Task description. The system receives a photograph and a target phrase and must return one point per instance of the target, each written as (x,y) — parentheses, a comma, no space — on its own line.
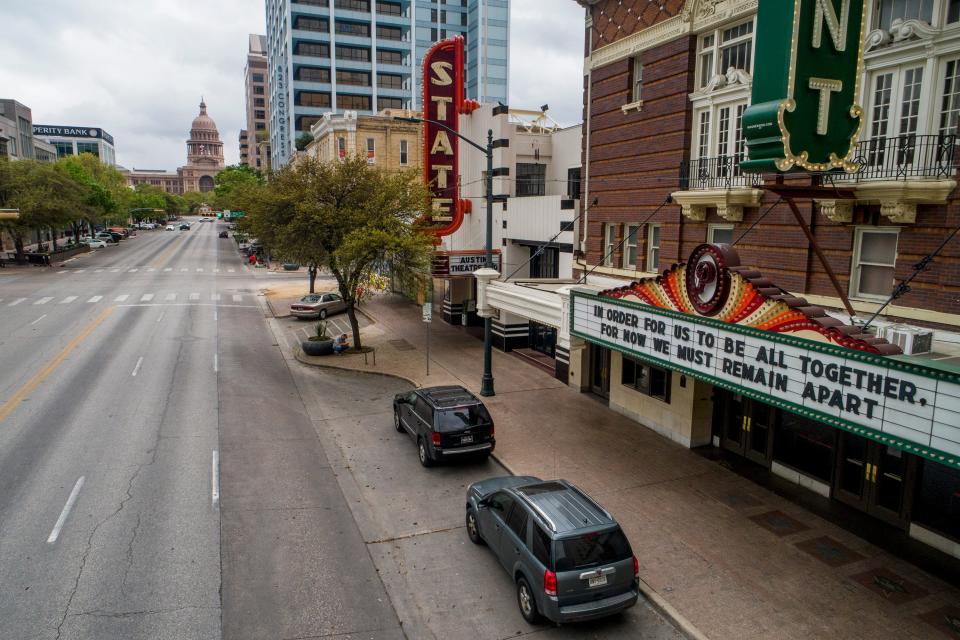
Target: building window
(653,247)
(950,106)
(953,11)
(260,126)
(307,24)
(647,379)
(313,74)
(259,102)
(890,10)
(937,504)
(313,99)
(385,56)
(389,33)
(389,81)
(703,135)
(636,79)
(404,153)
(804,444)
(531,179)
(371,151)
(609,243)
(259,114)
(874,262)
(573,183)
(88,147)
(630,247)
(720,234)
(352,5)
(353,78)
(389,9)
(345,101)
(390,103)
(352,29)
(315,49)
(735,50)
(64,149)
(341,147)
(357,54)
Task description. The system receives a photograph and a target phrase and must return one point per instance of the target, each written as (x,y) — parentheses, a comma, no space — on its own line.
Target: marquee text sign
(912,407)
(442,102)
(804,113)
(453,264)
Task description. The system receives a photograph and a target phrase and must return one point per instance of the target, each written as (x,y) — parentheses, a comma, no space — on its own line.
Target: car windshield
(459,418)
(591,549)
(311,298)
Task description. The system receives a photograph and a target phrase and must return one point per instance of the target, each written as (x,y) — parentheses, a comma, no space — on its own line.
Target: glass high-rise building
(366,56)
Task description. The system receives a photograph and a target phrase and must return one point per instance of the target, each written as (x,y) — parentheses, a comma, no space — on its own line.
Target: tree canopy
(230,184)
(346,217)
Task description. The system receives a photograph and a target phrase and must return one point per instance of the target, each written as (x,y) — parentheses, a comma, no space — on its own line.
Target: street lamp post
(486,381)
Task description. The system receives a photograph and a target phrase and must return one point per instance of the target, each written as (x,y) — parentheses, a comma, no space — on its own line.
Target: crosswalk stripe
(150,269)
(184,269)
(79,270)
(44,300)
(16,302)
(171,297)
(231,270)
(98,270)
(194,296)
(131,270)
(68,299)
(216,270)
(147,297)
(199,269)
(114,270)
(168,269)
(237,297)
(121,297)
(214,297)
(95,299)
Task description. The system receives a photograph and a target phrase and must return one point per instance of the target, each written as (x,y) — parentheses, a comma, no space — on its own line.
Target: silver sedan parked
(318,305)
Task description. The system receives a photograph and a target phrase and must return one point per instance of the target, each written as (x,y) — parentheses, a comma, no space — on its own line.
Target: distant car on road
(318,305)
(223,234)
(106,236)
(184,226)
(567,555)
(446,422)
(170,227)
(94,243)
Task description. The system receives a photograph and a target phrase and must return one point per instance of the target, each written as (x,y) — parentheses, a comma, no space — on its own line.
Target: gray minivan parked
(567,555)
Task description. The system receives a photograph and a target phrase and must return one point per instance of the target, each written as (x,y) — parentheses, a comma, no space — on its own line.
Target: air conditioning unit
(912,340)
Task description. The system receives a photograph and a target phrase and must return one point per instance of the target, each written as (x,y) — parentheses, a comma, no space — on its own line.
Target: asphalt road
(168,471)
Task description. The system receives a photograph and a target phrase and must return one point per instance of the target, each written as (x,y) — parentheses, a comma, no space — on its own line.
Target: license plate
(599,581)
(466,439)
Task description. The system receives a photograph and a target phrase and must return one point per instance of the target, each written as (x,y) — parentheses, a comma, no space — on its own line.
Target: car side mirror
(483,503)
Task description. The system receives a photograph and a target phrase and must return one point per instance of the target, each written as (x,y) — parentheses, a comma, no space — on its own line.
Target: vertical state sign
(442,102)
(804,113)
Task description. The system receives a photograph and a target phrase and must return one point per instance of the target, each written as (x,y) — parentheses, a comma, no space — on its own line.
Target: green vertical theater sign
(804,114)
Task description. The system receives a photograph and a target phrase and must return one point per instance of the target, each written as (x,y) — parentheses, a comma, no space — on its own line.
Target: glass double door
(875,478)
(600,370)
(747,427)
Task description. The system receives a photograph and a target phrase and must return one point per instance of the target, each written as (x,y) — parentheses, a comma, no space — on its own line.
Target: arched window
(206,184)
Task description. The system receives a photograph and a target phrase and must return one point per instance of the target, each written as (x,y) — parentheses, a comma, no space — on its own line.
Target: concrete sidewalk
(722,556)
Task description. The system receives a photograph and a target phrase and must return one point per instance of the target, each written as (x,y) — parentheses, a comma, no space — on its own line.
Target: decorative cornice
(728,202)
(733,78)
(836,210)
(900,31)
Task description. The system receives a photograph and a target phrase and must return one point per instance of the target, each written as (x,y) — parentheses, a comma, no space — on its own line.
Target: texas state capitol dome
(204,153)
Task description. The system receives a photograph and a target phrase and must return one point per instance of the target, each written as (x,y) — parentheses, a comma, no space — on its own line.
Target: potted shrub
(290,266)
(320,344)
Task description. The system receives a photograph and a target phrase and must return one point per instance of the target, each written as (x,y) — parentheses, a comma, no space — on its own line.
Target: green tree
(303,140)
(105,190)
(46,195)
(193,200)
(231,182)
(146,201)
(346,217)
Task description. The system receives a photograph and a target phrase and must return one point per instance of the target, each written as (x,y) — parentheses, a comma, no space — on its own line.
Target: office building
(385,143)
(16,131)
(257,105)
(365,56)
(72,141)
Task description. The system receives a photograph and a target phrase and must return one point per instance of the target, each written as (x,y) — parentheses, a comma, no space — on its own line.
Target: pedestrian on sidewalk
(340,344)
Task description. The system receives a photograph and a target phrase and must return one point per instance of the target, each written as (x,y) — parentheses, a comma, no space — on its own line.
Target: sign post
(427,310)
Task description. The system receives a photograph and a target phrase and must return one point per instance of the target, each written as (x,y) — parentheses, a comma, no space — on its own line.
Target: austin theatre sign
(707,321)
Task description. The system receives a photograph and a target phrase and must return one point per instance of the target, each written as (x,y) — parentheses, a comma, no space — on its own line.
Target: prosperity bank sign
(442,102)
(910,406)
(804,113)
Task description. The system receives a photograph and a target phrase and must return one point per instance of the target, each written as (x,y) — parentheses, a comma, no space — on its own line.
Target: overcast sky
(137,68)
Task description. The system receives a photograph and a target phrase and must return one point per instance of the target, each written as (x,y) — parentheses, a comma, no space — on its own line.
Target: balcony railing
(722,172)
(903,158)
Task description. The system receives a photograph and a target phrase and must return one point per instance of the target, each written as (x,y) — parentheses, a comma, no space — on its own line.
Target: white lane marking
(44,300)
(162,313)
(199,269)
(168,269)
(216,314)
(95,299)
(214,297)
(216,270)
(137,368)
(184,269)
(149,269)
(216,363)
(231,270)
(134,270)
(65,272)
(68,300)
(114,270)
(16,302)
(98,270)
(38,319)
(147,297)
(79,270)
(66,511)
(171,297)
(121,297)
(194,296)
(237,297)
(215,479)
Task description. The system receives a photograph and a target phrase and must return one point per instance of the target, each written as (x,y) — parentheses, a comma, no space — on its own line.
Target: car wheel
(473,531)
(527,602)
(396,421)
(423,453)
(323,314)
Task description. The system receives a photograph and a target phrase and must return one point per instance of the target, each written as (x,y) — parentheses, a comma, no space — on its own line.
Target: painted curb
(301,358)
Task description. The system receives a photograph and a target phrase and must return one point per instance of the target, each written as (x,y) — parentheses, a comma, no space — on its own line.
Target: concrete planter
(317,347)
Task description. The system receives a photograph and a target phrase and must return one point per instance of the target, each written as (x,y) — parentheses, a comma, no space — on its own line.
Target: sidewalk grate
(401,345)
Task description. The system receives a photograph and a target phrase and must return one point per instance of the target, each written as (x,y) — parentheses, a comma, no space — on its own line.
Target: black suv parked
(446,422)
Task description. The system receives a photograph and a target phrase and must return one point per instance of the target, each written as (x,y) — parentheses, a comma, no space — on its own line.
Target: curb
(301,358)
(657,601)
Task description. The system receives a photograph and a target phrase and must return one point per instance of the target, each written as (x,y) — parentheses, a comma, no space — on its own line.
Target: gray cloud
(137,68)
